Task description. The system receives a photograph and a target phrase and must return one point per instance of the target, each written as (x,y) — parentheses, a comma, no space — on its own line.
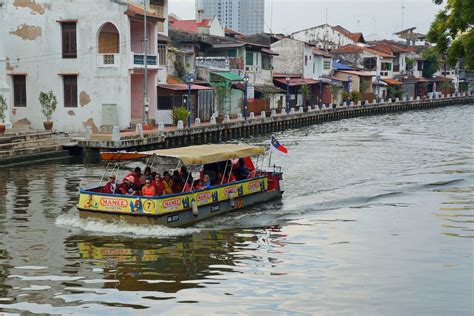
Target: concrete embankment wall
(257,126)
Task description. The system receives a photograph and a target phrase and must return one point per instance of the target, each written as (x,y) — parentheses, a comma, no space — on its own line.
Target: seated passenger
(111,186)
(230,177)
(188,185)
(198,185)
(183,173)
(157,182)
(206,182)
(167,184)
(130,187)
(146,174)
(241,171)
(136,174)
(177,182)
(220,179)
(148,189)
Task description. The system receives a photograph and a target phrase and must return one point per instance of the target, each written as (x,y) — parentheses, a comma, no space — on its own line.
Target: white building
(299,58)
(91,57)
(244,16)
(326,36)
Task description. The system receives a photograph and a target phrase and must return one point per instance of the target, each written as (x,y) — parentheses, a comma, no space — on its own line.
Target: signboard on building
(213,63)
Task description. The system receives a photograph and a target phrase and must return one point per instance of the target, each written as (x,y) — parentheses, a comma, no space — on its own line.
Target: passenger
(198,185)
(159,185)
(148,189)
(130,186)
(136,174)
(146,175)
(167,183)
(188,186)
(206,182)
(220,179)
(230,177)
(183,173)
(242,172)
(111,186)
(177,182)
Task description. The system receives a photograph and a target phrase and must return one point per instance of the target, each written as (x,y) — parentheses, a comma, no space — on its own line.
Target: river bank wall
(255,125)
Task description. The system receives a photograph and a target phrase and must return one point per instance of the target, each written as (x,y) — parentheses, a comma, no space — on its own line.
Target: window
(419,66)
(266,62)
(232,53)
(327,64)
(162,54)
(386,66)
(19,90)
(249,58)
(69,40)
(70,91)
(306,60)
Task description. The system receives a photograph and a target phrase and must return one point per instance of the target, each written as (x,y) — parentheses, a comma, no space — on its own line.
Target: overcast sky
(382,17)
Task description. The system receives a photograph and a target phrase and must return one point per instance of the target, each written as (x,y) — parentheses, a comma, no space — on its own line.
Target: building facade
(328,37)
(91,57)
(244,16)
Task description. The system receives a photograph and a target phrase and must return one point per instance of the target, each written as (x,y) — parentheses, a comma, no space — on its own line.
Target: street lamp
(320,92)
(246,84)
(287,107)
(189,81)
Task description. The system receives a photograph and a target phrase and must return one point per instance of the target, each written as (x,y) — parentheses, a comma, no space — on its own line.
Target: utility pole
(145,61)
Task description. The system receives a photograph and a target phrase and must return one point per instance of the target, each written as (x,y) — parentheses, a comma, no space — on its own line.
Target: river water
(377,218)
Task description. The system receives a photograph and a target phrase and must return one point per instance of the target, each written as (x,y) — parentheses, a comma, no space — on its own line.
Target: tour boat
(185,208)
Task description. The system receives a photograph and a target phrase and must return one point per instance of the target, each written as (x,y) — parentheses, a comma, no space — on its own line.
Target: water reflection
(377,213)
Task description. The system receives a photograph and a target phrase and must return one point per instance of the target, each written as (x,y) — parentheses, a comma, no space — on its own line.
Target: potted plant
(48,106)
(3,108)
(180,114)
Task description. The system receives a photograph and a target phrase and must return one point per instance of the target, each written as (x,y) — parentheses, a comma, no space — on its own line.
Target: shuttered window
(19,90)
(69,40)
(70,91)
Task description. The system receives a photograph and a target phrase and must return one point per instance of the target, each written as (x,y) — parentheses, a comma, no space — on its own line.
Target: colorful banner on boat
(154,206)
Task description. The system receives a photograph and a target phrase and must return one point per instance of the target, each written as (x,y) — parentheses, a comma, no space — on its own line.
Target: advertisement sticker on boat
(204,197)
(171,204)
(253,186)
(114,203)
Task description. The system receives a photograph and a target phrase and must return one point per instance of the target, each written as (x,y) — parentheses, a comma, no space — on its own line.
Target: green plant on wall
(355,96)
(180,114)
(345,96)
(305,93)
(48,104)
(3,108)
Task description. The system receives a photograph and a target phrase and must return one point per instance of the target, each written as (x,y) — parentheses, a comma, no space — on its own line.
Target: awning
(192,155)
(297,81)
(268,89)
(232,76)
(182,87)
(358,73)
(392,82)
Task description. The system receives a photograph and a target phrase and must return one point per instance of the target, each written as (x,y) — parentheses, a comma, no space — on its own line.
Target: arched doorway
(109,39)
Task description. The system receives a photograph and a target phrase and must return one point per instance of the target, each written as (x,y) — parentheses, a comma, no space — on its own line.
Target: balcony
(137,60)
(108,60)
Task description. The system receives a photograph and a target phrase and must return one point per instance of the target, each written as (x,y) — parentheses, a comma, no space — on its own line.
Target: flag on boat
(275,145)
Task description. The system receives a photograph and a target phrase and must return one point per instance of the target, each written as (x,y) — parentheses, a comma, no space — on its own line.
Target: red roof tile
(189,25)
(356,37)
(298,81)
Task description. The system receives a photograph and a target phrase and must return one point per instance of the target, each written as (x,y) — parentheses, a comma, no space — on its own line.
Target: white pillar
(161,126)
(263,114)
(180,125)
(197,122)
(4,88)
(252,115)
(116,134)
(139,130)
(240,117)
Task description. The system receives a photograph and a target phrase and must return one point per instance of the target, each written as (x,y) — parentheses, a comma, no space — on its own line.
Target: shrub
(48,104)
(180,114)
(355,96)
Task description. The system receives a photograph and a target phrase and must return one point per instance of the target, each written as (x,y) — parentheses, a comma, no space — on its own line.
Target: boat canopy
(191,155)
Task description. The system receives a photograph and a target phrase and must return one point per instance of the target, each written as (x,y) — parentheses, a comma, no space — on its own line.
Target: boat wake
(106,228)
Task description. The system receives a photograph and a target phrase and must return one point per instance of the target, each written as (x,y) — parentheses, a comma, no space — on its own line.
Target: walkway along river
(376,220)
(231,130)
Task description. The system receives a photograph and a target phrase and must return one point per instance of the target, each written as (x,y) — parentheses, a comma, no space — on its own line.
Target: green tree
(305,93)
(48,104)
(409,63)
(431,65)
(452,31)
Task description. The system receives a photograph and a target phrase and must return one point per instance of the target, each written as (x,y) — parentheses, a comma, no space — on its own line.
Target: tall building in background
(244,16)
